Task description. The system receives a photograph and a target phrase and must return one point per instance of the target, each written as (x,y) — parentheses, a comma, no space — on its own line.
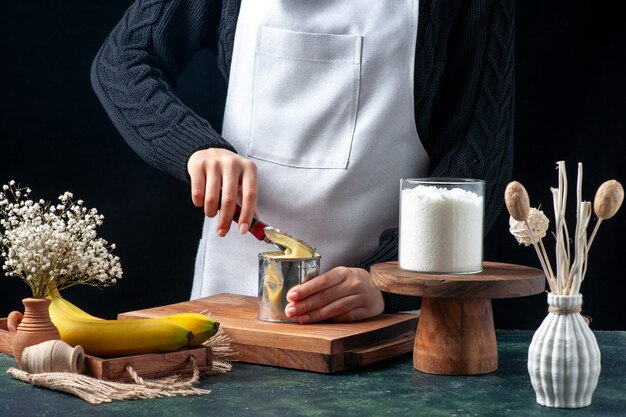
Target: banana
(203,327)
(117,337)
(128,337)
(63,304)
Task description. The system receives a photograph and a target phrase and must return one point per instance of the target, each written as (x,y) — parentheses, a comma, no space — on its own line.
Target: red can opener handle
(257,228)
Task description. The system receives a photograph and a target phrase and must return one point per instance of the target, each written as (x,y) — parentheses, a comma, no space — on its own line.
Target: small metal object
(270,231)
(277,275)
(257,228)
(268,240)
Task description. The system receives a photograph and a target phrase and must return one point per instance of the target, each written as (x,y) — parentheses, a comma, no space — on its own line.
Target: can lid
(290,243)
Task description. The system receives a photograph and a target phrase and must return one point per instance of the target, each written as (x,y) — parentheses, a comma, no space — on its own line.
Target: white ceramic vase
(564,357)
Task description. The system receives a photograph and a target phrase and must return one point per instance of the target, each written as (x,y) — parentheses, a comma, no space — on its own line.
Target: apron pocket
(305,98)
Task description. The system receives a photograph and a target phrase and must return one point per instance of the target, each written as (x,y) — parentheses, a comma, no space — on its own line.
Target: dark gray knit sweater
(463,90)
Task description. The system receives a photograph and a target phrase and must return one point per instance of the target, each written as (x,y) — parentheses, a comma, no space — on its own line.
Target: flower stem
(546,270)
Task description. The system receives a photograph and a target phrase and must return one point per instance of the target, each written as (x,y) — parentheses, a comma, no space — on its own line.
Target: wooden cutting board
(320,347)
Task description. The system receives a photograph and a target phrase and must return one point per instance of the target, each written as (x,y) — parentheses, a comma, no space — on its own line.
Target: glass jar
(441,225)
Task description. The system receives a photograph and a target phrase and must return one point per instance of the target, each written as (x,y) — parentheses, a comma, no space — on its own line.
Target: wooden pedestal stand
(455,332)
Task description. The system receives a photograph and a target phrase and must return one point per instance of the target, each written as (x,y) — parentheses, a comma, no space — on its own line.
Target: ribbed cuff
(400,302)
(388,251)
(182,141)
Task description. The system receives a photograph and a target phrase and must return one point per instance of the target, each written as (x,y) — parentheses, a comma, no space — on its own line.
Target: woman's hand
(341,294)
(219,178)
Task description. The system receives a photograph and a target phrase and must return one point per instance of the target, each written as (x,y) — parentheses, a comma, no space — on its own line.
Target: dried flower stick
(546,270)
(590,241)
(563,251)
(606,203)
(569,276)
(547,261)
(579,249)
(593,233)
(575,271)
(518,205)
(557,199)
(559,249)
(581,246)
(566,238)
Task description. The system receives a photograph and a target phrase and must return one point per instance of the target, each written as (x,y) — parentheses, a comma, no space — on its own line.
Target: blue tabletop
(390,388)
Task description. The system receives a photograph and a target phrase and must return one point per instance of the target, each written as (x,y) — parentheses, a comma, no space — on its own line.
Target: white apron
(320,97)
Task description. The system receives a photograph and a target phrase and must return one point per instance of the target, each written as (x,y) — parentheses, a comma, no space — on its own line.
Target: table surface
(391,388)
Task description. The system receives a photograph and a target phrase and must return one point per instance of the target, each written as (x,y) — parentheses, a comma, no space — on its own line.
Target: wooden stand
(455,332)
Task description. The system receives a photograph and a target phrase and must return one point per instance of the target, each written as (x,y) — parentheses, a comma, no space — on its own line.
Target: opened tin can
(277,275)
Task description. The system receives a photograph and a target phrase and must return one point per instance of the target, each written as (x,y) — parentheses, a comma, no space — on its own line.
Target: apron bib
(320,97)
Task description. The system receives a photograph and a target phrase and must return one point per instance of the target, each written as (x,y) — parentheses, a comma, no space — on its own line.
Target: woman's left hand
(341,294)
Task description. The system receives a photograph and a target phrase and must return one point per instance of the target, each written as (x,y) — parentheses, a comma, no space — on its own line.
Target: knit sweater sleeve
(134,74)
(464,104)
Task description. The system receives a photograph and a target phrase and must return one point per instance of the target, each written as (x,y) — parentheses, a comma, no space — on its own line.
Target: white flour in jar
(441,230)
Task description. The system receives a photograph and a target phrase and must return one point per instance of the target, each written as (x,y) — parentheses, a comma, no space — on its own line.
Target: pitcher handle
(14,320)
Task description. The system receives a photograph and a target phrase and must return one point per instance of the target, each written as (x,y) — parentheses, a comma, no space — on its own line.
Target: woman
(329,104)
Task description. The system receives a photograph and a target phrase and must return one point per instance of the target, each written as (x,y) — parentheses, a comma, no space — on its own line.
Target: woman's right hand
(219,178)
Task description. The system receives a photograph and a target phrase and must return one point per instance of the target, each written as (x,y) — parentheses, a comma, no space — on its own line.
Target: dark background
(570,105)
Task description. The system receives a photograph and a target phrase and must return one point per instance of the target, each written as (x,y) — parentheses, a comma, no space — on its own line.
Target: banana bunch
(101,337)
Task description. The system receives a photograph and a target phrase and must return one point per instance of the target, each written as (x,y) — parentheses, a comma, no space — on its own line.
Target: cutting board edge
(306,361)
(320,343)
(379,335)
(331,344)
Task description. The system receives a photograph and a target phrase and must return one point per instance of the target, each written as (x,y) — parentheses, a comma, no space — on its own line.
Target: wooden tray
(147,366)
(320,347)
(5,338)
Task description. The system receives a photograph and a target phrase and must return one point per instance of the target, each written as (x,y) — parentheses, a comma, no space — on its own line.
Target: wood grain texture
(497,280)
(371,354)
(319,347)
(456,337)
(5,338)
(150,365)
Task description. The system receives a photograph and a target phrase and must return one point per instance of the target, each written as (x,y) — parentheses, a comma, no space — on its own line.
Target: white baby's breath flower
(57,245)
(537,221)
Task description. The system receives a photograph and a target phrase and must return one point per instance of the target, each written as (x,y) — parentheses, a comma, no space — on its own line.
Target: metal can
(277,275)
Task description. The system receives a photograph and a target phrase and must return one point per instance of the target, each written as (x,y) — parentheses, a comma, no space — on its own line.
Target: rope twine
(572,310)
(564,310)
(97,391)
